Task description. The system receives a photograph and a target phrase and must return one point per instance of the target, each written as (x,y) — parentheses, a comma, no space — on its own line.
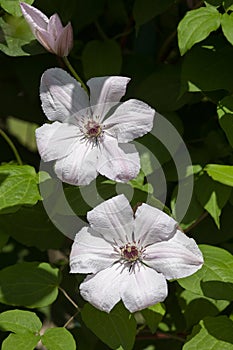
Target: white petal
(61,95)
(79,167)
(55,26)
(113,219)
(143,287)
(153,225)
(118,163)
(105,91)
(90,253)
(56,140)
(35,18)
(46,40)
(130,120)
(64,42)
(103,289)
(179,257)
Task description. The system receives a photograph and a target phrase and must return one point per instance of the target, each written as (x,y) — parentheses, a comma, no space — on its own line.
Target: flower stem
(12,146)
(69,298)
(74,73)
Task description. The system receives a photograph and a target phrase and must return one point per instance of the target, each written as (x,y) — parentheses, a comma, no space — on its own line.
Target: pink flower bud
(49,31)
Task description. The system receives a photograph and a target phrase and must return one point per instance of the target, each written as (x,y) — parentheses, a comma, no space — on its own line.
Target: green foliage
(17,39)
(211,333)
(19,321)
(208,67)
(215,279)
(101,58)
(196,26)
(12,6)
(39,231)
(115,329)
(26,327)
(58,339)
(25,341)
(225,116)
(212,195)
(18,186)
(144,11)
(137,39)
(29,284)
(220,173)
(153,316)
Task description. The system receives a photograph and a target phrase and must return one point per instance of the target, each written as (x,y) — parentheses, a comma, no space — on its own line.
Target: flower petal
(79,167)
(61,95)
(113,219)
(143,287)
(90,253)
(56,140)
(46,40)
(105,92)
(118,163)
(152,225)
(130,120)
(35,18)
(64,42)
(176,258)
(55,26)
(102,290)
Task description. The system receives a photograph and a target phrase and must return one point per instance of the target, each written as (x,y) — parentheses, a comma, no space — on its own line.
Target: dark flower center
(94,130)
(130,252)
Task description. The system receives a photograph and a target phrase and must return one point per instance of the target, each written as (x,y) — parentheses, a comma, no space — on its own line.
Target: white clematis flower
(85,136)
(129,256)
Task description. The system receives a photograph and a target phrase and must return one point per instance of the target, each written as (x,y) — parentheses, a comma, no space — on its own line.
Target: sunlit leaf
(58,339)
(18,186)
(19,321)
(215,279)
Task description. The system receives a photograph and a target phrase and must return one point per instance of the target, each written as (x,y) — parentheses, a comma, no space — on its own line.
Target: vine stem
(12,146)
(74,73)
(202,217)
(69,298)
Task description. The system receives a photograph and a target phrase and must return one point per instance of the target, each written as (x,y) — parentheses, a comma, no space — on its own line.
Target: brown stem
(69,298)
(202,217)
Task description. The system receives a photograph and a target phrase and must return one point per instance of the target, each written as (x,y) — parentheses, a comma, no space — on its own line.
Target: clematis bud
(49,31)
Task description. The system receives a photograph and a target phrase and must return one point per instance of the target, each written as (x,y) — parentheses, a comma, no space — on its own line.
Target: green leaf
(17,38)
(3,239)
(215,279)
(213,333)
(101,58)
(29,284)
(208,67)
(32,227)
(27,341)
(196,26)
(212,196)
(12,6)
(118,328)
(58,339)
(18,186)
(24,131)
(19,321)
(225,117)
(161,89)
(144,11)
(227,26)
(196,307)
(153,315)
(220,173)
(228,5)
